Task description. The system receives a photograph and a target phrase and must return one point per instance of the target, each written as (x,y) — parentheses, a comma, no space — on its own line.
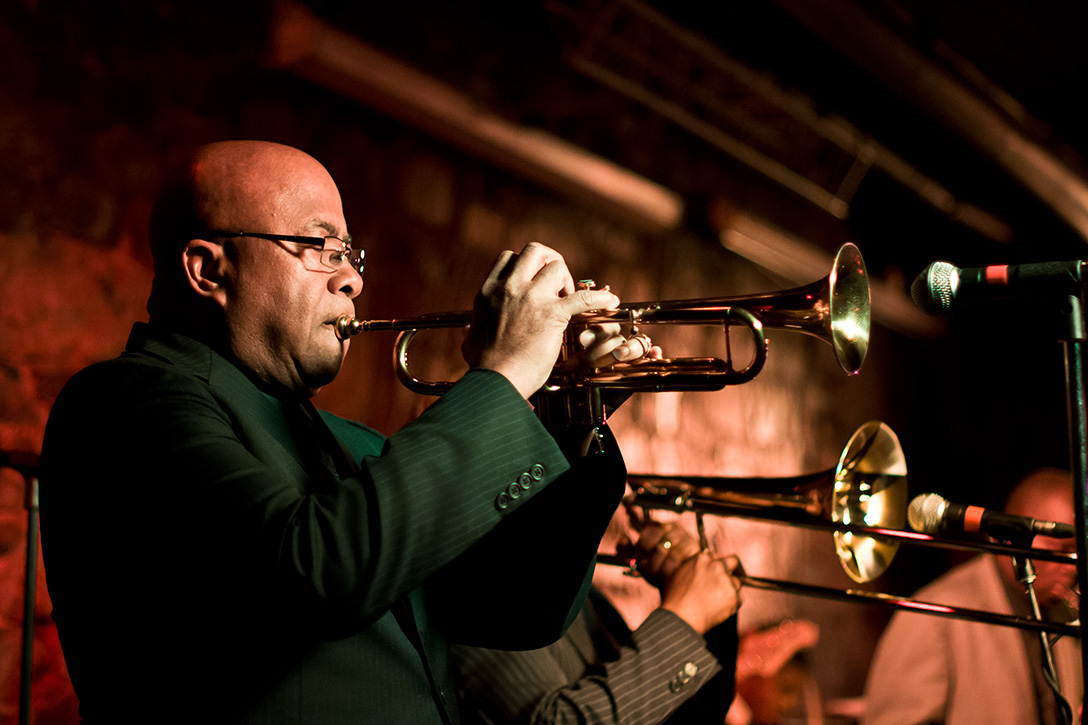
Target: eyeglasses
(335,253)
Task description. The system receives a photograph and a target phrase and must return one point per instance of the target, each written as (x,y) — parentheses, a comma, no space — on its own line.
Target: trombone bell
(867,488)
(870,489)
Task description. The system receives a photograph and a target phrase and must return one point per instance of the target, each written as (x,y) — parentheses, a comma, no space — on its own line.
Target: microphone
(933,514)
(941,286)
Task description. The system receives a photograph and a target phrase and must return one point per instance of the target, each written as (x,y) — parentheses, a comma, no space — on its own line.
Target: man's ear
(205,267)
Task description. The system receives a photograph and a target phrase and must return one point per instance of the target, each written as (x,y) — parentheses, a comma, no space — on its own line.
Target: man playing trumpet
(220,551)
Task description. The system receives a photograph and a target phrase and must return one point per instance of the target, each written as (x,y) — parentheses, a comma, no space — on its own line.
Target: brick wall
(97,100)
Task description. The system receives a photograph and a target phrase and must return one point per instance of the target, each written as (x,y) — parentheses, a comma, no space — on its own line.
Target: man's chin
(321,378)
(322,372)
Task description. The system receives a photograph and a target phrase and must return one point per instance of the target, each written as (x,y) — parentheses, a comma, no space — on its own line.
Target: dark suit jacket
(602,672)
(205,566)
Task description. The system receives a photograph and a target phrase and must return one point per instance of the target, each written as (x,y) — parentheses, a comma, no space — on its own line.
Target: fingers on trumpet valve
(639,345)
(605,341)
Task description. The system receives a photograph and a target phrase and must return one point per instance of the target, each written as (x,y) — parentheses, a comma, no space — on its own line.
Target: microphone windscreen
(924,513)
(932,289)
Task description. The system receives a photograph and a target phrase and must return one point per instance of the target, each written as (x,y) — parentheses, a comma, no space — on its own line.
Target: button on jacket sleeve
(665,667)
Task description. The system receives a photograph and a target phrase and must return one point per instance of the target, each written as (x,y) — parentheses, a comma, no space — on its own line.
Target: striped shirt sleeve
(666,663)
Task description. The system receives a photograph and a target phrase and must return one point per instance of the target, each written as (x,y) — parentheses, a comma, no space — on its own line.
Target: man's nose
(348,281)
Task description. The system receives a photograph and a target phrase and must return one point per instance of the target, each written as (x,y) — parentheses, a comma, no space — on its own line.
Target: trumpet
(862,501)
(835,309)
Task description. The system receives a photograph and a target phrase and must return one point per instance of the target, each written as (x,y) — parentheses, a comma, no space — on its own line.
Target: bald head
(1045,493)
(238,238)
(235,185)
(252,186)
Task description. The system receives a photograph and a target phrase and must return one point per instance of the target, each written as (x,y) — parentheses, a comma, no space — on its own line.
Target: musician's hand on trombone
(521,313)
(703,591)
(697,586)
(660,549)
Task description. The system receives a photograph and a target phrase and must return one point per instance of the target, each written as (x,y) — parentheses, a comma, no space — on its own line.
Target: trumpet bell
(850,301)
(870,489)
(835,309)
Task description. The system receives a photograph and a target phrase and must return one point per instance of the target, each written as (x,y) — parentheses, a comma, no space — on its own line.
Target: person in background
(677,666)
(930,669)
(775,683)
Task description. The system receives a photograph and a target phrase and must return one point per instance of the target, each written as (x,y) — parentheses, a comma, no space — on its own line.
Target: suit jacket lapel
(252,408)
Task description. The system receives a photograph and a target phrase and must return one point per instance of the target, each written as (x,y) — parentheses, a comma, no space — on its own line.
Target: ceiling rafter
(933,91)
(638,52)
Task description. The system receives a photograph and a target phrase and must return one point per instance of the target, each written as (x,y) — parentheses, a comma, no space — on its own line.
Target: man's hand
(605,344)
(521,313)
(697,586)
(660,549)
(703,591)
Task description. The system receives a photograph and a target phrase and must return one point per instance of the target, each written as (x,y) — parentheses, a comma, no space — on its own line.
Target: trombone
(862,501)
(835,309)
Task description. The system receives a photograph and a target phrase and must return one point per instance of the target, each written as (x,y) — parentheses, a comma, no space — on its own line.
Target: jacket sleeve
(521,585)
(666,667)
(187,481)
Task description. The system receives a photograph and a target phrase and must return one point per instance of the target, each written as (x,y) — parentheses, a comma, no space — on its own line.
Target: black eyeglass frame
(345,245)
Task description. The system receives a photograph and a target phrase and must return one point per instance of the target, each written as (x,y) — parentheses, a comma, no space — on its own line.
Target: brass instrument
(835,309)
(868,487)
(862,501)
(862,596)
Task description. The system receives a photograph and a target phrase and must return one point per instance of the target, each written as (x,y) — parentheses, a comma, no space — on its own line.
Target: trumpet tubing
(835,309)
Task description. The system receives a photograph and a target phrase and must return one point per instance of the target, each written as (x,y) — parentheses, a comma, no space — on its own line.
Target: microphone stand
(1024,570)
(26,669)
(26,463)
(1073,354)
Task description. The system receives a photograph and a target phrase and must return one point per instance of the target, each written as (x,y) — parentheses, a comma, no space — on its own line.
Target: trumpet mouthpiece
(347,326)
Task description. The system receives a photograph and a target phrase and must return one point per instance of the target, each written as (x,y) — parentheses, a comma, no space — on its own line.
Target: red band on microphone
(972,518)
(997,274)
